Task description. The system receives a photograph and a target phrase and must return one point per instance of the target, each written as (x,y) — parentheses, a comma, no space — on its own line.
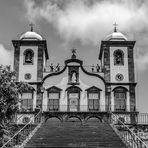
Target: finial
(115,29)
(31,27)
(73,52)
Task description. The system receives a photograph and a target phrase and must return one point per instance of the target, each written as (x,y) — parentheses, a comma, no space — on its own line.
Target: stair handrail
(17,133)
(136,139)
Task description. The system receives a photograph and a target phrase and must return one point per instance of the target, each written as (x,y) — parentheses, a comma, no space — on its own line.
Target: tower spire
(115,28)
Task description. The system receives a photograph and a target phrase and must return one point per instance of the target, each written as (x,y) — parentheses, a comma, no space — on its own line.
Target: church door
(73,101)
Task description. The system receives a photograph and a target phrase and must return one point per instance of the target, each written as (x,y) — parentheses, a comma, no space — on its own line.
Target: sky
(80,24)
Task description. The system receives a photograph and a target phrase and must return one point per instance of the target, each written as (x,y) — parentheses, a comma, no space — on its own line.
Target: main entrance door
(73,101)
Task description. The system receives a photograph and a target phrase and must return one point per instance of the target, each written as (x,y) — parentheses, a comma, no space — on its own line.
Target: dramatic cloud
(90,21)
(4,56)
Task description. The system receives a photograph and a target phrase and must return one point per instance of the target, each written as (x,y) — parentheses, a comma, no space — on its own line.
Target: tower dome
(115,36)
(31,35)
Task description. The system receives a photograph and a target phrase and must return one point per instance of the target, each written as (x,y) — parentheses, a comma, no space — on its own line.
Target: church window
(93,101)
(120,98)
(27,101)
(53,98)
(93,94)
(28,56)
(118,57)
(53,101)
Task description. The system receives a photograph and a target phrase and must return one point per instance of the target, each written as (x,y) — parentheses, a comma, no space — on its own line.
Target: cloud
(90,21)
(4,56)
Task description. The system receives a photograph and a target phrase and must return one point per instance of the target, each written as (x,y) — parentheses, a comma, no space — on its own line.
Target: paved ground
(93,134)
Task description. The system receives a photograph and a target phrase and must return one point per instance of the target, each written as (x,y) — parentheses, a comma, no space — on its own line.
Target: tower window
(28,56)
(118,57)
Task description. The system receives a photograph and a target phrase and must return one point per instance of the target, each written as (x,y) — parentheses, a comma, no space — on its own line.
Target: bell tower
(116,55)
(30,56)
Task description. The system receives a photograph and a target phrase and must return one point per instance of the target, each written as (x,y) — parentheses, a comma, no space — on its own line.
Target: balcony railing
(77,108)
(87,108)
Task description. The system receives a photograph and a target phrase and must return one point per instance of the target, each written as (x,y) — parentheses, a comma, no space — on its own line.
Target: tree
(9,97)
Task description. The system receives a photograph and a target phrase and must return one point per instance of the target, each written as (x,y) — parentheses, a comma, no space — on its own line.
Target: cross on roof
(115,29)
(31,26)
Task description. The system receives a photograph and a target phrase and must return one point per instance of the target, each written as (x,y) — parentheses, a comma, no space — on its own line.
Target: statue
(73,78)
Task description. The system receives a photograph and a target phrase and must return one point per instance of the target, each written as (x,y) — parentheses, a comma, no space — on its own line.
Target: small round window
(27,76)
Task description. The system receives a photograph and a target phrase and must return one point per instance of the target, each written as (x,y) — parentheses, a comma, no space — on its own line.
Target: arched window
(120,98)
(118,57)
(93,95)
(53,98)
(28,56)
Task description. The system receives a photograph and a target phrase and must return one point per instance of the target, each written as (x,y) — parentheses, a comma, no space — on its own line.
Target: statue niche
(73,74)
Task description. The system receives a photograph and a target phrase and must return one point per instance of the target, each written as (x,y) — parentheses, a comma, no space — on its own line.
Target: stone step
(70,135)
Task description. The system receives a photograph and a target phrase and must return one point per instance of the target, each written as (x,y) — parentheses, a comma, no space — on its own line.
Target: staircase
(73,134)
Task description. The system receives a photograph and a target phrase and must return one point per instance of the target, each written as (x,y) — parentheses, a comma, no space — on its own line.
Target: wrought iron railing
(86,108)
(131,139)
(142,118)
(19,137)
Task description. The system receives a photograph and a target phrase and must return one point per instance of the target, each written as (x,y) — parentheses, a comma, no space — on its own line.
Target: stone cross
(31,26)
(115,29)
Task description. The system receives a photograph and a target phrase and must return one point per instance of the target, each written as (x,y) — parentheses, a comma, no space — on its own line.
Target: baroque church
(108,87)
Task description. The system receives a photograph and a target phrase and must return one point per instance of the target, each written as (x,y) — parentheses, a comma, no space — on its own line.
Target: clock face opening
(119,77)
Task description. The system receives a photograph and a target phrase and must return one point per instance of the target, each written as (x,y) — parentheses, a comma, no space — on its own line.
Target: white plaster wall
(115,69)
(85,81)
(32,69)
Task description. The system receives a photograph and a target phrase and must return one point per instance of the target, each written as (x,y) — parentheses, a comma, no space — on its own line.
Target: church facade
(108,87)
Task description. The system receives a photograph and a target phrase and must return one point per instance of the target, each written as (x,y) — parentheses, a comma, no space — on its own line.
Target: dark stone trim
(69,61)
(107,64)
(54,74)
(116,44)
(120,87)
(132,98)
(16,61)
(74,60)
(134,84)
(32,43)
(73,87)
(40,63)
(131,65)
(54,87)
(93,87)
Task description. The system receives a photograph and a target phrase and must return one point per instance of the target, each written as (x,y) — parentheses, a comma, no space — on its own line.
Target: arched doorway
(120,95)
